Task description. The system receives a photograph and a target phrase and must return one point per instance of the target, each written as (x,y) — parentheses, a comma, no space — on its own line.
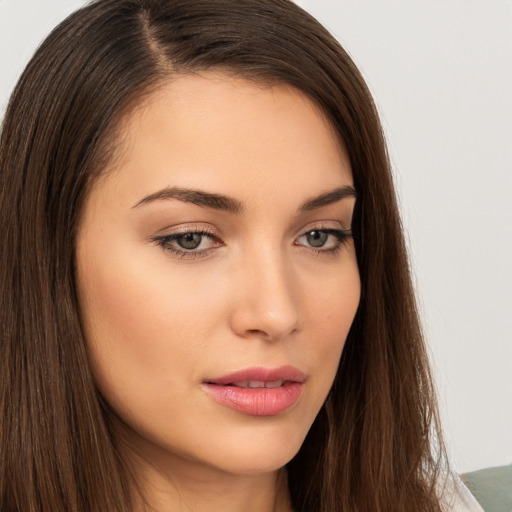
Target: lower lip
(256,401)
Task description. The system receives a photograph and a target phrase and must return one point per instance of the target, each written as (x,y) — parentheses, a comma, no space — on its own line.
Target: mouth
(258,391)
(256,384)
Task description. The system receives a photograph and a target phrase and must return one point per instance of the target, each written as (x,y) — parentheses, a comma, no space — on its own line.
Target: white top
(458,498)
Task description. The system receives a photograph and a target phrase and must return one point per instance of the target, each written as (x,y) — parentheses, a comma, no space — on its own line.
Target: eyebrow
(198,197)
(231,205)
(327,198)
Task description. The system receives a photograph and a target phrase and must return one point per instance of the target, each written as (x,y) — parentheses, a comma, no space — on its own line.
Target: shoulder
(457,498)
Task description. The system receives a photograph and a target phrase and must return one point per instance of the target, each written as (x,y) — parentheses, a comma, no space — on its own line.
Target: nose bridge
(267,302)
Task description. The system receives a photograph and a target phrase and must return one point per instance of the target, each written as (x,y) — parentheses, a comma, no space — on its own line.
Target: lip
(258,401)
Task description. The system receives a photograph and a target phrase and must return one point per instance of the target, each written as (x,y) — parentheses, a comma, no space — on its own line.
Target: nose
(266,304)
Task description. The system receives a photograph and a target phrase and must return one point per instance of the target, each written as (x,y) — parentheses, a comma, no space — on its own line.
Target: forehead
(214,130)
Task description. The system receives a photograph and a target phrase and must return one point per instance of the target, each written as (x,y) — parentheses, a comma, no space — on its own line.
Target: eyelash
(342,236)
(166,241)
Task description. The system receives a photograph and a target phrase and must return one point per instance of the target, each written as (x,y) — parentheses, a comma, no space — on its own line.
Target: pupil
(189,240)
(317,238)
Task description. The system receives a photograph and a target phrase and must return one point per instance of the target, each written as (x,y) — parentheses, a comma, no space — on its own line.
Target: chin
(262,451)
(247,446)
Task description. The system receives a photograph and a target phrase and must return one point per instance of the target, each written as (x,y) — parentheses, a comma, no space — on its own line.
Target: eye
(317,238)
(188,244)
(324,240)
(189,240)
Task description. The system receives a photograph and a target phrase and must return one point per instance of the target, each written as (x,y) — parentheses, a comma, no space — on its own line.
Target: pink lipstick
(258,391)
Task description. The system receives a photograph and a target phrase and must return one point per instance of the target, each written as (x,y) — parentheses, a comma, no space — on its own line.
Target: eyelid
(183,229)
(324,225)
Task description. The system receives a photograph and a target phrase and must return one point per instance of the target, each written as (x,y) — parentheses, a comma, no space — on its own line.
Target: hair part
(376,444)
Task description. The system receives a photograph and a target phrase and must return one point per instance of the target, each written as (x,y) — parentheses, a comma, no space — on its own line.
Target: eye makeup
(193,243)
(325,241)
(189,242)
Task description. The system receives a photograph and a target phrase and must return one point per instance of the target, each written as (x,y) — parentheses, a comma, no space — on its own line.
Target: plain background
(441,74)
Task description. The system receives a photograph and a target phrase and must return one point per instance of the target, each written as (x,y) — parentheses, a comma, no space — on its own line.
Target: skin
(254,293)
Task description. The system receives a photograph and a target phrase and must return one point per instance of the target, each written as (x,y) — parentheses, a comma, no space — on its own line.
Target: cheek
(142,329)
(331,317)
(333,308)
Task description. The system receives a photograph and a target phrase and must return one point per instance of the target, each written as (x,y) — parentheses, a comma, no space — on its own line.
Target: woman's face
(216,273)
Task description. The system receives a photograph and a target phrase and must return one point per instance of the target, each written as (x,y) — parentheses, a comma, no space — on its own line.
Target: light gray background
(441,73)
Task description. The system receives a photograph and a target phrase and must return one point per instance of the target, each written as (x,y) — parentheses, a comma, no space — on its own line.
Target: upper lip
(261,374)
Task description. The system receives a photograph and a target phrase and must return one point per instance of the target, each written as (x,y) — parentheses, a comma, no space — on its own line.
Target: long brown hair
(376,445)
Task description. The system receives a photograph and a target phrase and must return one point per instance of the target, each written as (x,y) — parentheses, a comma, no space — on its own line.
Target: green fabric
(492,487)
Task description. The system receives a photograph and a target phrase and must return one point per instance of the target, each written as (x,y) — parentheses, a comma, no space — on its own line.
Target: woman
(206,302)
